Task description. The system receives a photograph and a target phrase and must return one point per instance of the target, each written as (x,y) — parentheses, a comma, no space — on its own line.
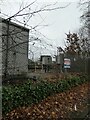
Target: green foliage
(29,93)
(74,46)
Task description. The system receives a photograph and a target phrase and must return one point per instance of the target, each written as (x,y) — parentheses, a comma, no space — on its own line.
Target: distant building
(15,48)
(46,59)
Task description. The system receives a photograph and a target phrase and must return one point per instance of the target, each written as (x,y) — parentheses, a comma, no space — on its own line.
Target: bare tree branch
(21,10)
(41,10)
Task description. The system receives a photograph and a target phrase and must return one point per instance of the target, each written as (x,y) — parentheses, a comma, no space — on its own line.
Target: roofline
(14,24)
(45,55)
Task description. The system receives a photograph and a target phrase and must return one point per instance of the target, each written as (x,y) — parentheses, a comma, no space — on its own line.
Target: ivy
(29,93)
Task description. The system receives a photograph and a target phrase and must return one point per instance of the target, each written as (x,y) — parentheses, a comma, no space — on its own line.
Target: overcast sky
(56,23)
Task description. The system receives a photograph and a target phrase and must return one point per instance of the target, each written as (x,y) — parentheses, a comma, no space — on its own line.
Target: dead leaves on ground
(54,107)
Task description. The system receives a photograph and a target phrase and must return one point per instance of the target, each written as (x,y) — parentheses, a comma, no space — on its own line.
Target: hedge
(29,93)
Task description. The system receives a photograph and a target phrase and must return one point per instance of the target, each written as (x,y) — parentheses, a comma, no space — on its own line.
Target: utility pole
(6,54)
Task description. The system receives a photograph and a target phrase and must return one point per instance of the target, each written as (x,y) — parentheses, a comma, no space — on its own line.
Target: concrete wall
(17,53)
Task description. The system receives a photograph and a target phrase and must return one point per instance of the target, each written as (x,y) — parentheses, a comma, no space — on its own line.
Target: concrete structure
(46,59)
(15,48)
(60,58)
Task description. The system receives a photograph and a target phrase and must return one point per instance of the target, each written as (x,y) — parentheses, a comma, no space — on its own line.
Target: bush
(29,93)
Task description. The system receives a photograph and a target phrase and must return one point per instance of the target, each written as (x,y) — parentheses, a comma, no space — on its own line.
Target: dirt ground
(50,76)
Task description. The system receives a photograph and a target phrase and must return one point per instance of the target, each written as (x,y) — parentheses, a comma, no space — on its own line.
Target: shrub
(29,93)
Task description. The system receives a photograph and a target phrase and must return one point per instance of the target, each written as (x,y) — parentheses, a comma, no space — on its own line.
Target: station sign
(67,63)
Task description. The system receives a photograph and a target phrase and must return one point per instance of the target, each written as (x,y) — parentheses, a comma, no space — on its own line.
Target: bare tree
(83,36)
(84,31)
